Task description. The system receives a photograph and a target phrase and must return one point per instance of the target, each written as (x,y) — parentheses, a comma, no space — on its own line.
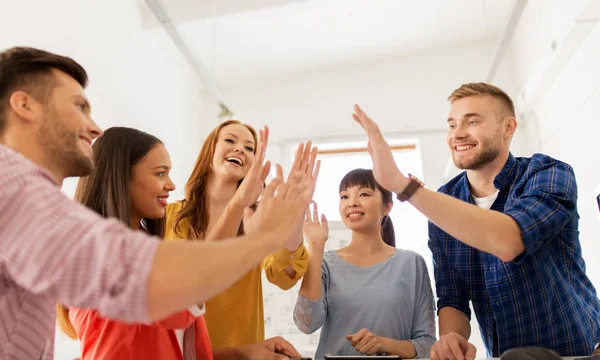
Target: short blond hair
(482,89)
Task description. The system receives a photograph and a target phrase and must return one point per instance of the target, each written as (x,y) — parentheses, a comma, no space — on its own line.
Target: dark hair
(30,70)
(106,189)
(365,178)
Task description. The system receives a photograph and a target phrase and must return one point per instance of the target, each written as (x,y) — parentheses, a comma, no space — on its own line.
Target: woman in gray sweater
(369,297)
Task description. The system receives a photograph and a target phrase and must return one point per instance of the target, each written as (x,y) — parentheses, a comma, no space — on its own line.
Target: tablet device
(365,357)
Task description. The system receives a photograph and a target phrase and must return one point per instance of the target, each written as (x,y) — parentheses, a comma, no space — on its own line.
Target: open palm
(385,170)
(316,232)
(254,182)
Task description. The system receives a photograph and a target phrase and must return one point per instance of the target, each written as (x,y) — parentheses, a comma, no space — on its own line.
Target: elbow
(512,252)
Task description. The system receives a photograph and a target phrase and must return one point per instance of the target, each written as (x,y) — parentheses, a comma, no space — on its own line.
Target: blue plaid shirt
(542,298)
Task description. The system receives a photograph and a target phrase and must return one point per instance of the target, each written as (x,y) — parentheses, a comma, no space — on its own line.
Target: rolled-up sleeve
(56,247)
(547,202)
(276,263)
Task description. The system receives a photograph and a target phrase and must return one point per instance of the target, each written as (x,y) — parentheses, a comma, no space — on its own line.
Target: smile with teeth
(463,147)
(162,200)
(235,160)
(355,215)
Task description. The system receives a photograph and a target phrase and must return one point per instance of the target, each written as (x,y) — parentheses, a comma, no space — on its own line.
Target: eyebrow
(235,136)
(465,116)
(360,188)
(164,167)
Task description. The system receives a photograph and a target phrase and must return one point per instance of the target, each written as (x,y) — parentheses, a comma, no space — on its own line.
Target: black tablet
(366,357)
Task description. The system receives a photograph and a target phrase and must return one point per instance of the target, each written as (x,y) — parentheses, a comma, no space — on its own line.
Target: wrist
(316,244)
(235,204)
(383,345)
(401,184)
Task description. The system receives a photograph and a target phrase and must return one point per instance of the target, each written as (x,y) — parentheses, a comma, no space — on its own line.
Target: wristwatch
(413,185)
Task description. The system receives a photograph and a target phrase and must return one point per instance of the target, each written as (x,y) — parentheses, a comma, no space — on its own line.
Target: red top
(103,339)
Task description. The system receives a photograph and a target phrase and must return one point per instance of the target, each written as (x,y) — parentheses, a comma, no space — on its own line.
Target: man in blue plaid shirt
(504,235)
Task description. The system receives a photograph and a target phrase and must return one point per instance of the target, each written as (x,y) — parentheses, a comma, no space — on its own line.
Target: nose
(94,130)
(169,185)
(459,132)
(352,203)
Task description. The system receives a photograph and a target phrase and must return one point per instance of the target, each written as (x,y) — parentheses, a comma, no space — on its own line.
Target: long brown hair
(106,190)
(195,205)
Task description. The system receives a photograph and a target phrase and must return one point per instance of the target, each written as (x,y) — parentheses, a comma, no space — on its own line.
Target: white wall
(137,78)
(566,122)
(406,94)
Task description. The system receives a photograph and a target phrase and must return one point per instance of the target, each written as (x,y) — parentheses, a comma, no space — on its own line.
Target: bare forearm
(404,348)
(453,320)
(228,224)
(311,287)
(486,230)
(188,273)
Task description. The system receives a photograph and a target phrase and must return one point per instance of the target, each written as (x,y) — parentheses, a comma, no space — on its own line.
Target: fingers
(357,337)
(266,135)
(278,172)
(305,157)
(471,352)
(248,213)
(266,170)
(312,160)
(456,349)
(270,189)
(369,349)
(297,158)
(315,212)
(285,347)
(315,174)
(324,220)
(433,355)
(307,216)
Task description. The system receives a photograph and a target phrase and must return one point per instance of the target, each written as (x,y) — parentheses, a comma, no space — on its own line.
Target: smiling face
(362,209)
(66,129)
(475,132)
(150,185)
(234,152)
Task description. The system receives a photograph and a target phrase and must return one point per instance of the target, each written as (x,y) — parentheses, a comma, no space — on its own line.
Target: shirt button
(292,257)
(490,268)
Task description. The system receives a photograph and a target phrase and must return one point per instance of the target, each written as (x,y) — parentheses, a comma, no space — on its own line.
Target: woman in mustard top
(217,201)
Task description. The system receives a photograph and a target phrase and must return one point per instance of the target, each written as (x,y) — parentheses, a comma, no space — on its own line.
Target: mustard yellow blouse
(236,316)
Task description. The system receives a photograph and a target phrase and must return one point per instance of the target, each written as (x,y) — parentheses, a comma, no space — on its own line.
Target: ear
(510,126)
(388,208)
(24,105)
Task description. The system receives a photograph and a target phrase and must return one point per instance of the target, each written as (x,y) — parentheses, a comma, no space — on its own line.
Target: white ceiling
(240,40)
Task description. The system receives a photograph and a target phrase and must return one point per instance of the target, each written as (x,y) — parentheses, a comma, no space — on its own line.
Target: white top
(486,202)
(197,312)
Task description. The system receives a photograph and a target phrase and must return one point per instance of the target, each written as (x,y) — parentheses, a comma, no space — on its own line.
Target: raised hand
(306,166)
(254,181)
(385,170)
(365,342)
(281,208)
(316,232)
(305,169)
